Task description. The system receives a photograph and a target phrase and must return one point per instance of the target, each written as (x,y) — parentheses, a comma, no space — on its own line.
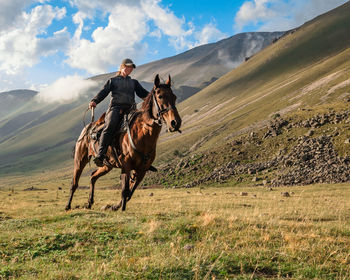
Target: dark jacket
(123,91)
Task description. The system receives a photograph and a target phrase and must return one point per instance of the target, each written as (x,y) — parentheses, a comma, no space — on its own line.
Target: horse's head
(164,104)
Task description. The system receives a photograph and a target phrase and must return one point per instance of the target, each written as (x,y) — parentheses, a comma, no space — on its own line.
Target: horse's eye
(160,96)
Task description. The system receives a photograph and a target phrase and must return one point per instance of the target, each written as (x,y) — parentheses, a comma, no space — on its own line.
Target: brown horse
(137,148)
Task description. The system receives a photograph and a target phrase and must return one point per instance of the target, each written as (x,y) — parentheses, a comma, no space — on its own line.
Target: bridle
(159,121)
(160,112)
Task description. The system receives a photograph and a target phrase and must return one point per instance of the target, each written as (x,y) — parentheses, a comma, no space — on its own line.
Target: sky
(47,44)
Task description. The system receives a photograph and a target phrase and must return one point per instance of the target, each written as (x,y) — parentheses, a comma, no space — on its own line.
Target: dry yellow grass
(210,233)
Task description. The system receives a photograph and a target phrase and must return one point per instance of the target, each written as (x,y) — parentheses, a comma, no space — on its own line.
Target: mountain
(37,133)
(195,69)
(13,100)
(303,77)
(305,68)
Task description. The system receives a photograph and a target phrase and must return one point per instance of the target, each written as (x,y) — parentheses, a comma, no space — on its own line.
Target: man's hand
(92,104)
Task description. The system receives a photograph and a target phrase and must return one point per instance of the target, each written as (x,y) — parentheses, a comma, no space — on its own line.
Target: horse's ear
(156,81)
(168,82)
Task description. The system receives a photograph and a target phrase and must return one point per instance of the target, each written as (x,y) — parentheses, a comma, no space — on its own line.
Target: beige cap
(128,62)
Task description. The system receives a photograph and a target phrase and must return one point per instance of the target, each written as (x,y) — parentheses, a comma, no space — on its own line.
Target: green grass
(207,233)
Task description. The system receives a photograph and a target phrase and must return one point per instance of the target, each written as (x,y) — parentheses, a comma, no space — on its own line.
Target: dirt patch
(33,189)
(321,82)
(338,86)
(118,187)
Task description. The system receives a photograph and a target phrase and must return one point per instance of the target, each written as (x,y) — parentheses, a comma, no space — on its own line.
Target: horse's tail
(83,133)
(73,151)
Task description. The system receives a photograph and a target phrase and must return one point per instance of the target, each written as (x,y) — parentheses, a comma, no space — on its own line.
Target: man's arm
(140,91)
(102,93)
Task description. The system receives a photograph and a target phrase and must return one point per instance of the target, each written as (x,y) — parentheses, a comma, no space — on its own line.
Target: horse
(133,152)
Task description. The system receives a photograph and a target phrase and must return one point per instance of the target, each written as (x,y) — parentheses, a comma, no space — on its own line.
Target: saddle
(96,129)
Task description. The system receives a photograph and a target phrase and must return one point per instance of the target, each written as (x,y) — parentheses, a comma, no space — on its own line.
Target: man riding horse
(123,90)
(136,148)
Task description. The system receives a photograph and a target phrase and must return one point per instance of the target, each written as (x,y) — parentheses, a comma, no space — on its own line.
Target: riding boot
(112,122)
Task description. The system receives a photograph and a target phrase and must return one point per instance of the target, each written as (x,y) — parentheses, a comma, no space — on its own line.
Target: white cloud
(208,34)
(251,12)
(20,46)
(65,89)
(10,11)
(119,39)
(279,15)
(164,19)
(128,24)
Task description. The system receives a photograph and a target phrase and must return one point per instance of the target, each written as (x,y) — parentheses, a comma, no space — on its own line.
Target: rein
(160,112)
(159,121)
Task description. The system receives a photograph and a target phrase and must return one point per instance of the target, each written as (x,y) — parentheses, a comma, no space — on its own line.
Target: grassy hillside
(307,67)
(39,135)
(195,68)
(13,100)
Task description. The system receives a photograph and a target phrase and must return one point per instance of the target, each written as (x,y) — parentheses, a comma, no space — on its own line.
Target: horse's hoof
(153,169)
(67,208)
(87,206)
(106,207)
(115,207)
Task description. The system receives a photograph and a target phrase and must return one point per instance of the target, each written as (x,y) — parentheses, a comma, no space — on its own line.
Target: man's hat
(128,62)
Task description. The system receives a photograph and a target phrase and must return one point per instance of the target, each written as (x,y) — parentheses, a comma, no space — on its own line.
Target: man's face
(126,71)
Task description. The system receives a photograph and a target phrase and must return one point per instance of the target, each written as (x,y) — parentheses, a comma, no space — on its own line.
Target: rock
(188,247)
(309,133)
(255,179)
(244,193)
(285,194)
(106,207)
(151,194)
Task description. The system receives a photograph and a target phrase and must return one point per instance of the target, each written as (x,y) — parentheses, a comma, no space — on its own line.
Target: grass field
(212,232)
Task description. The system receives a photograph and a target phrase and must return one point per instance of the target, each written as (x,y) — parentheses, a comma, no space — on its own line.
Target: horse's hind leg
(94,176)
(79,166)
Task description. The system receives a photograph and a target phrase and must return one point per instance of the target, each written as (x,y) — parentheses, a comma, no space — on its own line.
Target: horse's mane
(147,104)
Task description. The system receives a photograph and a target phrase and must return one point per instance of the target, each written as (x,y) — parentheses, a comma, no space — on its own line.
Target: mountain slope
(298,70)
(195,69)
(308,66)
(40,132)
(13,100)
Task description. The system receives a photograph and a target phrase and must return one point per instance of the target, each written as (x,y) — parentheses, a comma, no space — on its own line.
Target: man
(123,90)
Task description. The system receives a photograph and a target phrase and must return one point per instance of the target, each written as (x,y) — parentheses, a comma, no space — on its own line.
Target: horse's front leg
(125,179)
(138,176)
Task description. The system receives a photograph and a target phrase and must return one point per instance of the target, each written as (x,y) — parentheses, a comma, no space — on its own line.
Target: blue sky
(43,41)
